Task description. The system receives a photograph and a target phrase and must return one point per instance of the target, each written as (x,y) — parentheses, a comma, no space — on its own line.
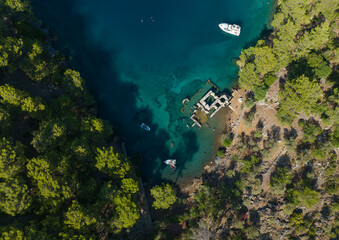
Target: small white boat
(172,163)
(145,127)
(231,29)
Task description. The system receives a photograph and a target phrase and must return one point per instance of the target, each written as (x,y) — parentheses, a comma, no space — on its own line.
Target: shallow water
(141,58)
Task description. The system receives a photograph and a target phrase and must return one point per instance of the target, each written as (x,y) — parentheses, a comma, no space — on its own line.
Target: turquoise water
(141,58)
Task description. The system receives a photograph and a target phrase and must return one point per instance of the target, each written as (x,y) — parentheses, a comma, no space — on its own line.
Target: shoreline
(214,163)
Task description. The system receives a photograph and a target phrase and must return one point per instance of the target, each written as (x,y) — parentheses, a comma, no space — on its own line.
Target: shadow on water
(117,100)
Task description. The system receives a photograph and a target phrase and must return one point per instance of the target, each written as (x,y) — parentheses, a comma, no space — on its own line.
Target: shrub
(318,154)
(249,117)
(227,141)
(258,134)
(297,220)
(301,123)
(249,103)
(252,232)
(279,179)
(237,223)
(248,163)
(221,152)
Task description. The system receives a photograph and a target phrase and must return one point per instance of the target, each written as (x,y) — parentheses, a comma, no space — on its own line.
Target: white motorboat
(231,29)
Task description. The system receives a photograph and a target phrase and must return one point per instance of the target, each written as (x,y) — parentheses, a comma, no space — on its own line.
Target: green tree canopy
(14,195)
(17,5)
(49,135)
(265,61)
(279,179)
(248,77)
(126,213)
(300,95)
(164,196)
(41,174)
(111,162)
(76,216)
(12,158)
(129,185)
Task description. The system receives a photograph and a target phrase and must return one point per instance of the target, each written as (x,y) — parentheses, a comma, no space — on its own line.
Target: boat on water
(145,127)
(231,29)
(173,166)
(172,163)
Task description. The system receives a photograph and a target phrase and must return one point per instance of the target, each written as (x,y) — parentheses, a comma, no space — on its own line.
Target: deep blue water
(141,58)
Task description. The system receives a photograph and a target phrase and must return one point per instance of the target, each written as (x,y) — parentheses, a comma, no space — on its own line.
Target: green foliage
(311,131)
(17,97)
(303,195)
(50,134)
(48,141)
(73,80)
(40,171)
(318,154)
(252,232)
(335,136)
(260,91)
(300,95)
(280,178)
(12,233)
(227,142)
(206,203)
(248,77)
(248,163)
(269,79)
(112,163)
(258,134)
(323,71)
(249,103)
(249,117)
(128,185)
(76,217)
(221,152)
(17,5)
(297,220)
(126,213)
(164,195)
(332,165)
(314,60)
(265,61)
(96,129)
(15,197)
(12,158)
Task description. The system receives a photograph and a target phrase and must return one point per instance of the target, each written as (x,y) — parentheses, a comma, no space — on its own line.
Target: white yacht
(231,29)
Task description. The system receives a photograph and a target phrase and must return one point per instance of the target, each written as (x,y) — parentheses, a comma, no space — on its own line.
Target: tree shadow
(290,134)
(298,68)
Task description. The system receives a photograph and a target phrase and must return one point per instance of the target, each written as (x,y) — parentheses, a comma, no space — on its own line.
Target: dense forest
(63,174)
